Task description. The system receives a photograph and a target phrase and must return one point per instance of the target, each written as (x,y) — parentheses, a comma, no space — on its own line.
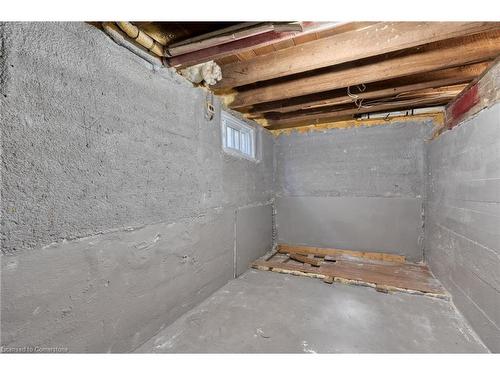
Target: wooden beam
(437,117)
(453,53)
(305,259)
(354,45)
(457,75)
(227,35)
(254,42)
(321,251)
(228,49)
(368,94)
(311,119)
(482,93)
(446,92)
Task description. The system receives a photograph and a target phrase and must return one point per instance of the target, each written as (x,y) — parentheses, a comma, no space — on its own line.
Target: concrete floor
(266,312)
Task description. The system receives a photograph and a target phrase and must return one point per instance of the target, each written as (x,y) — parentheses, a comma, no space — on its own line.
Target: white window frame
(230,121)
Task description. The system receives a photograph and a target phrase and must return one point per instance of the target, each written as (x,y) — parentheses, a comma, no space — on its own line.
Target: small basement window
(237,136)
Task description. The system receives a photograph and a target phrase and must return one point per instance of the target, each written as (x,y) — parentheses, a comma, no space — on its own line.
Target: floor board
(356,269)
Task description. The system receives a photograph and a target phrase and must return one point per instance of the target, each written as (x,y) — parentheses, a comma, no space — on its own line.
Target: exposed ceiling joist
(436,79)
(228,49)
(369,41)
(207,41)
(320,112)
(250,44)
(341,114)
(331,71)
(455,52)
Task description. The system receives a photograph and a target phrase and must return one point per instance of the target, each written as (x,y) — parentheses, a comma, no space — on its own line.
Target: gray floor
(266,312)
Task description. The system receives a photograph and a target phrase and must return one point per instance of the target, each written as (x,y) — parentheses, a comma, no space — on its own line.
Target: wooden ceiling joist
(327,72)
(373,40)
(254,45)
(310,119)
(436,79)
(455,52)
(439,92)
(228,49)
(219,37)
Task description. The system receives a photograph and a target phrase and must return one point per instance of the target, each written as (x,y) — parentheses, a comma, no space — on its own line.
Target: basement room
(216,186)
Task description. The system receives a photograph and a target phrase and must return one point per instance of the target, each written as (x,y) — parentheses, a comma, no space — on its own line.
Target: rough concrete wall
(346,167)
(95,143)
(463,219)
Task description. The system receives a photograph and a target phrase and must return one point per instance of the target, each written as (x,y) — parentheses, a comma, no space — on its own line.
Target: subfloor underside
(266,312)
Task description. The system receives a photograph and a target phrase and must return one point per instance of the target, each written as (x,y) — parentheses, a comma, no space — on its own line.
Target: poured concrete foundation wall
(462,219)
(359,188)
(367,223)
(119,207)
(254,235)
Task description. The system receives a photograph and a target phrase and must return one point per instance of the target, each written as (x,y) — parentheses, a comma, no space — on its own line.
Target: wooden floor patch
(385,272)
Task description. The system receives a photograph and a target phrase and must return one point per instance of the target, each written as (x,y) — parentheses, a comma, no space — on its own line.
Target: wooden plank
(345,27)
(227,60)
(304,259)
(276,34)
(436,117)
(457,75)
(323,100)
(283,44)
(310,119)
(454,53)
(294,269)
(246,55)
(301,39)
(328,279)
(370,41)
(480,94)
(228,49)
(263,50)
(217,37)
(260,43)
(429,93)
(319,251)
(404,276)
(414,91)
(390,276)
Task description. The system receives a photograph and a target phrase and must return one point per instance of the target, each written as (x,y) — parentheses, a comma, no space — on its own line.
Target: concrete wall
(119,206)
(366,186)
(462,219)
(254,235)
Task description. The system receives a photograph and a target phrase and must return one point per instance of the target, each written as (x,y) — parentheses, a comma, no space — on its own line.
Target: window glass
(238,136)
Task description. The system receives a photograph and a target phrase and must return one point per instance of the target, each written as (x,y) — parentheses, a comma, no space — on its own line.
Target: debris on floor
(382,271)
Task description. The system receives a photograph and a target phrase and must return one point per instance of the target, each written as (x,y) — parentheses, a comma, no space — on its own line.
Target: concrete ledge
(391,225)
(112,292)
